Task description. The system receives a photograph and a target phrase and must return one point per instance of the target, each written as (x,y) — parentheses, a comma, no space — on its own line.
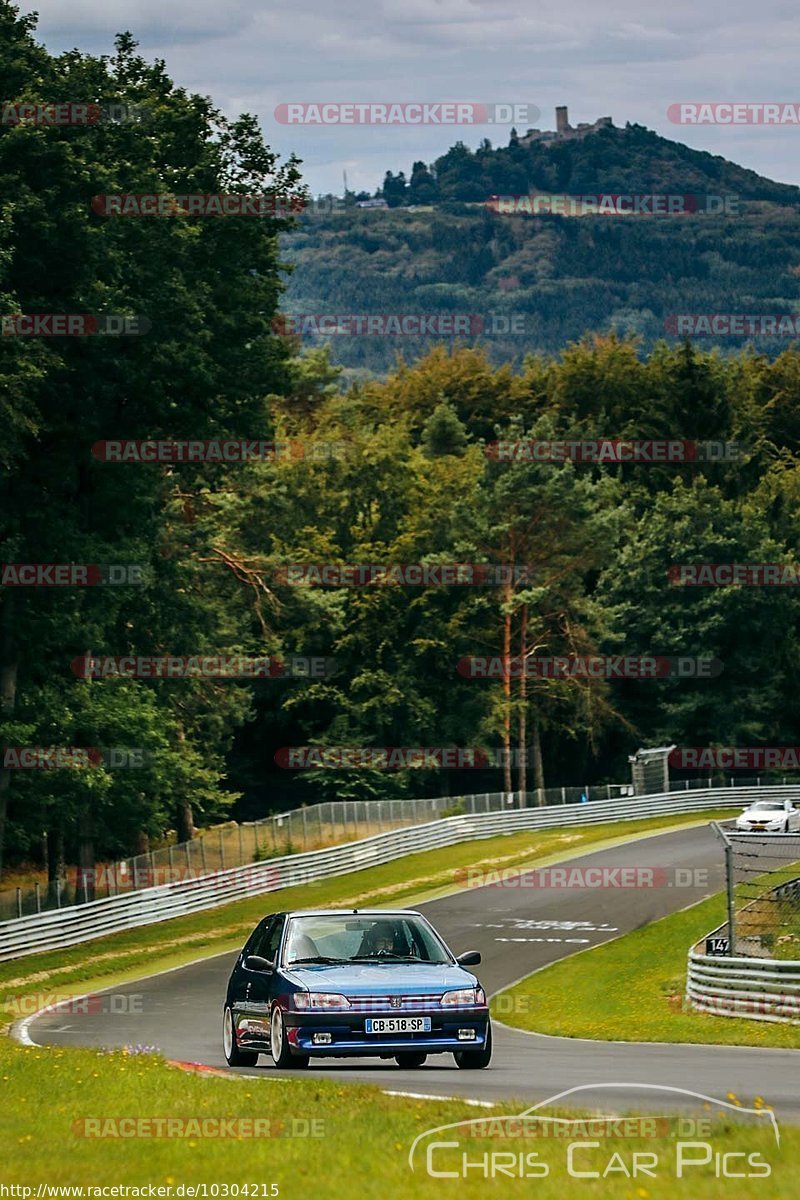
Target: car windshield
(343,938)
(767,806)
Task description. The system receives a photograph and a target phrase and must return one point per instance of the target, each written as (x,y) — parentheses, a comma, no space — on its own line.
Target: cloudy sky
(625,60)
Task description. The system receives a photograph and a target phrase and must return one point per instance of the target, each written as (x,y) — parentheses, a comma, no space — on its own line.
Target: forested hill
(537,282)
(609,160)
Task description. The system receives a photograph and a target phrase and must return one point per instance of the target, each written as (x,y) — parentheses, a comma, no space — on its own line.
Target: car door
(260,985)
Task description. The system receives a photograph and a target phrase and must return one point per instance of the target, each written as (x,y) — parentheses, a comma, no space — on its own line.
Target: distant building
(564,132)
(371,204)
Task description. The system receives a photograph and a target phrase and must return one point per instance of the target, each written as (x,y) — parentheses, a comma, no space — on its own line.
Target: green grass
(123,957)
(361,1148)
(631,989)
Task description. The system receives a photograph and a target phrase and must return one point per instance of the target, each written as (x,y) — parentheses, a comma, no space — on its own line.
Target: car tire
(280,1049)
(410,1058)
(233,1055)
(476,1060)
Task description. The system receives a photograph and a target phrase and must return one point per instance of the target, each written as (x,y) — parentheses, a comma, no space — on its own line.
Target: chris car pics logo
(696,1146)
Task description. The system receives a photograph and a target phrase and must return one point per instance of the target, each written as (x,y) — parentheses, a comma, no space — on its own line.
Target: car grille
(371,1004)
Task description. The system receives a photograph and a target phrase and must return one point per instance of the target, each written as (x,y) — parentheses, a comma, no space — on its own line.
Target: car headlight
(305,1000)
(464,998)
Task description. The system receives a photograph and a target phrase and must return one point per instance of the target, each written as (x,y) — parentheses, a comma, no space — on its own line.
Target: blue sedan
(353,983)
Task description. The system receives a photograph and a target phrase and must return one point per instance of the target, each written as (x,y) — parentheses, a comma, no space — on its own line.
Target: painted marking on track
(430,1096)
(575,941)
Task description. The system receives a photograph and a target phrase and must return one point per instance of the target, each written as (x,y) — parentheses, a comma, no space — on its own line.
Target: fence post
(19,897)
(188,860)
(170,864)
(241,846)
(729,890)
(222,849)
(58,891)
(563,795)
(274,837)
(203,854)
(38,898)
(305,828)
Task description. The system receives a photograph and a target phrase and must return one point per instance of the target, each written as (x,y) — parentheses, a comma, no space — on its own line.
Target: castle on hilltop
(564,132)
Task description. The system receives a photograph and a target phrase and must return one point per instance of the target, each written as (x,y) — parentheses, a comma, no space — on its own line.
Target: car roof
(352,912)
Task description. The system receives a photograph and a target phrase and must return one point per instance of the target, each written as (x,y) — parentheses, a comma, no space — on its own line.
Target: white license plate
(397,1025)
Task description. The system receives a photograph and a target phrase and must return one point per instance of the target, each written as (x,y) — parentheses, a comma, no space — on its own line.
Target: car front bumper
(348,1036)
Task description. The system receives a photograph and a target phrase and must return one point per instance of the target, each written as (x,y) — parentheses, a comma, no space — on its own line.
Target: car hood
(751,814)
(390,979)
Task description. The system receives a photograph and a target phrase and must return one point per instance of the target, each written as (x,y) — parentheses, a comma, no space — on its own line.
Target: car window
(272,939)
(345,938)
(260,939)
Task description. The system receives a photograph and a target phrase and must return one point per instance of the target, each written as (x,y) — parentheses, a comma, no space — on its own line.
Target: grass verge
(631,990)
(359,1146)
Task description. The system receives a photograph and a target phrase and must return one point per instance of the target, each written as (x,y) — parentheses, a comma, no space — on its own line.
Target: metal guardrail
(64,927)
(233,844)
(761,989)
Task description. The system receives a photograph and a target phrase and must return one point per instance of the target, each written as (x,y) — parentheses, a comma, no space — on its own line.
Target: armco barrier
(762,989)
(69,926)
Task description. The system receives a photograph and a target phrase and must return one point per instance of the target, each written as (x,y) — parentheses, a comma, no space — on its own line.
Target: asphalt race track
(517,930)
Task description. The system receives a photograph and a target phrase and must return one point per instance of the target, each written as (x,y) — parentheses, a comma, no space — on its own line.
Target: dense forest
(396,469)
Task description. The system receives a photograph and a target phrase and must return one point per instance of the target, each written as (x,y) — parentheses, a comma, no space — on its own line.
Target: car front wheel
(476,1060)
(233,1055)
(279,1044)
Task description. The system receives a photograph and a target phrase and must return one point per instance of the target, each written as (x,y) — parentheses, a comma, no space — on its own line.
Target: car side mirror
(470,958)
(254,962)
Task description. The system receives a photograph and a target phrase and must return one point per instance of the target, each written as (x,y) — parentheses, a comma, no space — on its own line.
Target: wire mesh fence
(236,844)
(763,890)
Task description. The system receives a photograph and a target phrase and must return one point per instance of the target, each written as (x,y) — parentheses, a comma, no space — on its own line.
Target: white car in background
(769,816)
